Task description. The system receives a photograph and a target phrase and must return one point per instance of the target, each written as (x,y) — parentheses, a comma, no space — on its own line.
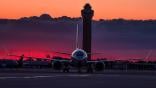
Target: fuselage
(79,55)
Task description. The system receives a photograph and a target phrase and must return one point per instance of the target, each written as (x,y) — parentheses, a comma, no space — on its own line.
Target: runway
(75,80)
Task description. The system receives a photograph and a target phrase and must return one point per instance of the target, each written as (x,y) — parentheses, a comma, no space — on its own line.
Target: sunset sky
(106,9)
(116,39)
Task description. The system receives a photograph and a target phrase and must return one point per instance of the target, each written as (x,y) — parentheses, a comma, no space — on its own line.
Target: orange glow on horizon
(105,9)
(34,54)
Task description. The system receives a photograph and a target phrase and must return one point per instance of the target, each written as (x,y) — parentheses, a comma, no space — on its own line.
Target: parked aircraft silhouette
(143,59)
(6,63)
(33,61)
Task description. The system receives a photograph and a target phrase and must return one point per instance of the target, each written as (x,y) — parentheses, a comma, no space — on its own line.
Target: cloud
(59,34)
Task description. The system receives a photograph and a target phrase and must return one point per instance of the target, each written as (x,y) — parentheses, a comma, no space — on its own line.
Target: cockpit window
(79,54)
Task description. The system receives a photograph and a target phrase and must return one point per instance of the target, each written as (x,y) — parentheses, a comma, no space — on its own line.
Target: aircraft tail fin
(77,37)
(148,55)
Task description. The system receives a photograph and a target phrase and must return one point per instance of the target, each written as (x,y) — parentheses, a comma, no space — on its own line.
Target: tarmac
(35,78)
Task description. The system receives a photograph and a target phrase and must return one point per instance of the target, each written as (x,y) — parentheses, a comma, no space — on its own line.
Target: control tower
(87,15)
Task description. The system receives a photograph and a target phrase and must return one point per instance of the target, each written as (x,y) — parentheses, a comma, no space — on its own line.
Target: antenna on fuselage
(87,1)
(77,36)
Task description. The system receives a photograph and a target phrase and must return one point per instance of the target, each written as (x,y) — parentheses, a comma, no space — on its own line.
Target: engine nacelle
(57,65)
(99,66)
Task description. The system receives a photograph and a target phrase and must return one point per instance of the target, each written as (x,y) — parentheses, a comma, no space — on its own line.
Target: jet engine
(57,65)
(99,66)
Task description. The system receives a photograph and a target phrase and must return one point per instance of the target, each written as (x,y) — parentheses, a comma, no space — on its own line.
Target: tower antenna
(87,1)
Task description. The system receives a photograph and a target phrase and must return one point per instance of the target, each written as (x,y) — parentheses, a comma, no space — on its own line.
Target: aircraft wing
(93,61)
(62,60)
(63,53)
(14,55)
(95,53)
(26,57)
(96,61)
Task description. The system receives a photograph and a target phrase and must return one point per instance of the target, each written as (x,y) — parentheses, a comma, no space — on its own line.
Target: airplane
(7,63)
(79,59)
(33,62)
(143,59)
